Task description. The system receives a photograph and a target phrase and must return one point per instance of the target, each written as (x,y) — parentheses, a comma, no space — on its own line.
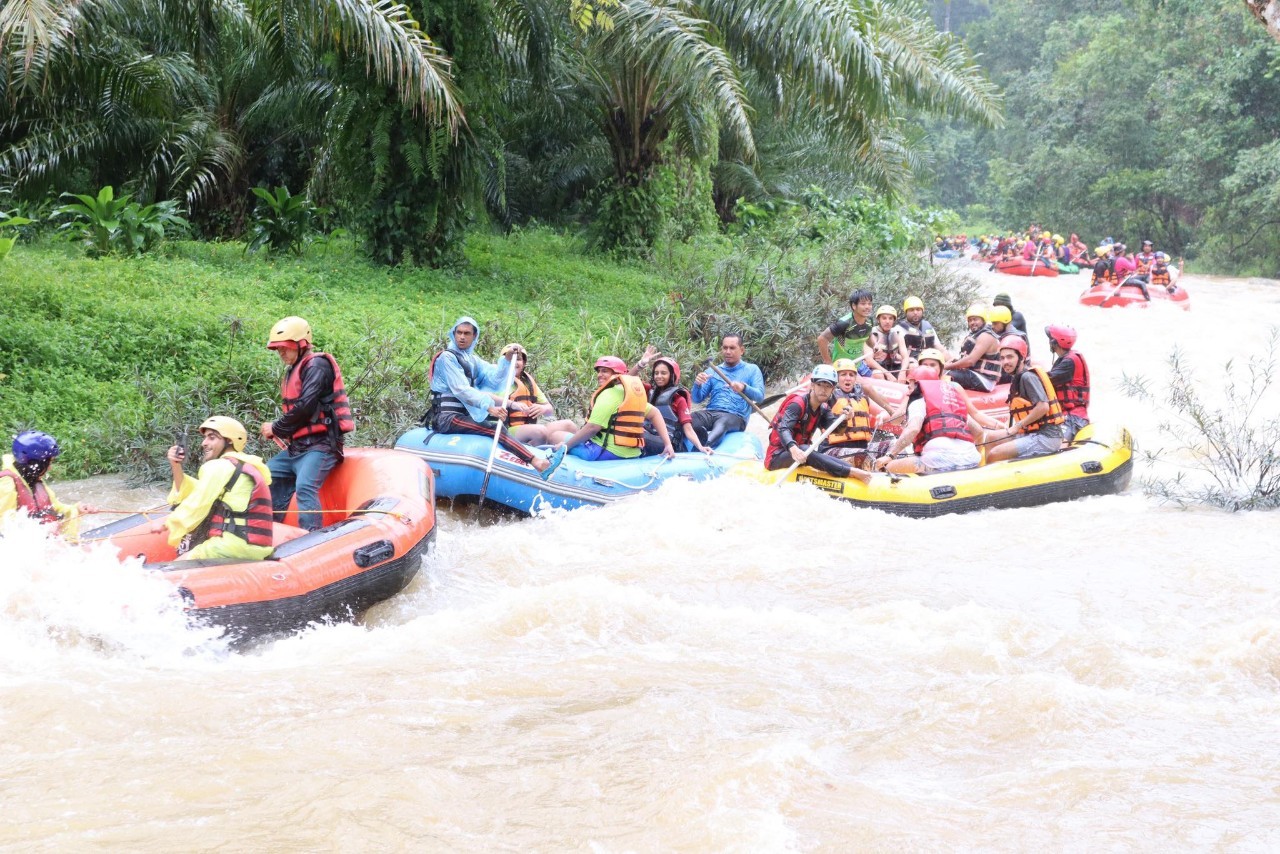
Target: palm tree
(185,98)
(687,79)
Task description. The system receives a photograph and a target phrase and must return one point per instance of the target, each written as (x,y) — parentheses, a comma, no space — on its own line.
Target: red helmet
(613,363)
(1014,343)
(671,364)
(1063,336)
(925,372)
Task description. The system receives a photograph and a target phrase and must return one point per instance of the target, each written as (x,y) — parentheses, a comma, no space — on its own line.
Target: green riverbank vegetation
(121,356)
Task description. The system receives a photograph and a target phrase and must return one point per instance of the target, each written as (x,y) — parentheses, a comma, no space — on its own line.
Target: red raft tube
(379,521)
(1130,296)
(1020,267)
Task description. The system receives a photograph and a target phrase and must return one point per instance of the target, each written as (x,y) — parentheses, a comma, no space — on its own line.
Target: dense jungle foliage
(636,120)
(1128,118)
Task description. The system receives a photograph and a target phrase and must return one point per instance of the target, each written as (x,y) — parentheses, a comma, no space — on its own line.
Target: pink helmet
(613,363)
(924,372)
(1014,343)
(671,364)
(1063,336)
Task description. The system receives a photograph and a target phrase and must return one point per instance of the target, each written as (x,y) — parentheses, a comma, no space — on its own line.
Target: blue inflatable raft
(458,465)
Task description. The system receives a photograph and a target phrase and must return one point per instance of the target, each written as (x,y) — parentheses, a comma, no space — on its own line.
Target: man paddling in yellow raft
(225,510)
(22,485)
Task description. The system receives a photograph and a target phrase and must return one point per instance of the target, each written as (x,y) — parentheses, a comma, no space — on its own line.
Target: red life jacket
(1074,394)
(333,407)
(946,413)
(35,501)
(253,524)
(802,433)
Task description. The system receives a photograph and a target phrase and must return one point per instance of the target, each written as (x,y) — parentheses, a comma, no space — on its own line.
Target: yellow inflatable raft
(1088,467)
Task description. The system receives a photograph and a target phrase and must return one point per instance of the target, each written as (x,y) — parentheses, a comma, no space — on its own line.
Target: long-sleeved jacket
(717,394)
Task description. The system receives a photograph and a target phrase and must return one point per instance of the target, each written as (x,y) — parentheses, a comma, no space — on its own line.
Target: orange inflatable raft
(379,520)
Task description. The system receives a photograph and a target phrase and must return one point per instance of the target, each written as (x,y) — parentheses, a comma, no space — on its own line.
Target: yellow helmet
(976,309)
(228,428)
(289,330)
(912,302)
(931,353)
(999,314)
(1057,238)
(845,365)
(1044,235)
(887,309)
(1104,249)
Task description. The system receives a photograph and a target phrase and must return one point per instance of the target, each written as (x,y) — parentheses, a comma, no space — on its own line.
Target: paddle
(497,430)
(1116,290)
(813,446)
(710,363)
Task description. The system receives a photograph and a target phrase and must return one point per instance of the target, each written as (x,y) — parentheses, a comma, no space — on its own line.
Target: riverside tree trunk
(1268,12)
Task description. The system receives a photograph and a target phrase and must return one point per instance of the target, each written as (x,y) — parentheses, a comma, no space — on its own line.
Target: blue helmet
(824,374)
(33,447)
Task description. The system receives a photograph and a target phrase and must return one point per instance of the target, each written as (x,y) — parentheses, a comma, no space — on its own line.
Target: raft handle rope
(359,511)
(604,481)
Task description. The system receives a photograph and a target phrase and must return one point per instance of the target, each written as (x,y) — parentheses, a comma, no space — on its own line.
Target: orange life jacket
(253,524)
(35,501)
(1019,406)
(1160,274)
(525,390)
(333,408)
(857,427)
(626,425)
(946,413)
(1108,276)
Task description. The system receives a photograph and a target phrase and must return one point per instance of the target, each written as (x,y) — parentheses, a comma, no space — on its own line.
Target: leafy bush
(780,307)
(816,216)
(1235,446)
(13,222)
(106,224)
(283,222)
(672,203)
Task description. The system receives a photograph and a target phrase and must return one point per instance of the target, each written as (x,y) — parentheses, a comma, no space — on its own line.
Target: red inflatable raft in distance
(1130,296)
(379,521)
(1020,267)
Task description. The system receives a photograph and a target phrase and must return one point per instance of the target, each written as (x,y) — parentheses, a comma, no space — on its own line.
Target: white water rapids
(715,667)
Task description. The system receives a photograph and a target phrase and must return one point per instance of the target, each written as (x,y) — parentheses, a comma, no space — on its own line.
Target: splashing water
(717,666)
(57,599)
